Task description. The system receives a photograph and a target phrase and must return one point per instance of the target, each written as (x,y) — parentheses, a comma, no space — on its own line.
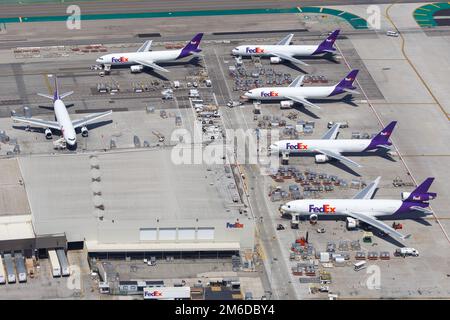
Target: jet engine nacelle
(48,133)
(137,68)
(313,218)
(321,158)
(286,103)
(84,132)
(350,223)
(275,60)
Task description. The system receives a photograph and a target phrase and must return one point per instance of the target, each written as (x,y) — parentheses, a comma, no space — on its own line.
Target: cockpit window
(71,139)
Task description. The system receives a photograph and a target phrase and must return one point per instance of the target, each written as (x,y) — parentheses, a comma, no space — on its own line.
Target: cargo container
(54,263)
(65,270)
(20,266)
(2,272)
(10,268)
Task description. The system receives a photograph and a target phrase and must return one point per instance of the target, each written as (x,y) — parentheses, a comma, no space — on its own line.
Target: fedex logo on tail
(297,146)
(269,94)
(385,133)
(326,208)
(254,50)
(119,60)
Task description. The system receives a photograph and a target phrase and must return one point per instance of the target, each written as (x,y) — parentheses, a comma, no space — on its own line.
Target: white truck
(54,263)
(403,252)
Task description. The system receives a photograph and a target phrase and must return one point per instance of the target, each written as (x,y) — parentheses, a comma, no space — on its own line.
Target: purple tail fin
(56,93)
(191,47)
(421,194)
(327,44)
(346,83)
(382,138)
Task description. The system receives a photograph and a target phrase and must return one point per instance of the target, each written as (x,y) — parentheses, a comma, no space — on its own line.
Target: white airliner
(282,50)
(143,57)
(363,208)
(63,123)
(328,147)
(295,92)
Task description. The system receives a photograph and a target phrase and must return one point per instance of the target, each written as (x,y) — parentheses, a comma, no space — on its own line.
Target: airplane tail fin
(421,194)
(56,95)
(382,138)
(192,46)
(327,45)
(346,84)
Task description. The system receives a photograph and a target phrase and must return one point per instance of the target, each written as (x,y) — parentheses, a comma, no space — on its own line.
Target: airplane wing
(425,210)
(38,122)
(351,91)
(152,65)
(92,117)
(332,133)
(145,47)
(289,58)
(377,224)
(298,82)
(368,191)
(303,101)
(286,40)
(338,156)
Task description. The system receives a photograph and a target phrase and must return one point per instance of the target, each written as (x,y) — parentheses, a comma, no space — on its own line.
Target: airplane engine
(275,60)
(350,223)
(286,103)
(84,132)
(48,134)
(136,68)
(313,218)
(321,158)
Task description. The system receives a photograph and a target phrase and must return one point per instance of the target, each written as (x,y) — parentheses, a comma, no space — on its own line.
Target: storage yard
(141,206)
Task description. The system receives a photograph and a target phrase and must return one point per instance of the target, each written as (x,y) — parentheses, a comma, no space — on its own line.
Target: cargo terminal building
(120,204)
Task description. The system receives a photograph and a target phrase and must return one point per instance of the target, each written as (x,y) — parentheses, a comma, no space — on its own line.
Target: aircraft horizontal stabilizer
(351,91)
(45,95)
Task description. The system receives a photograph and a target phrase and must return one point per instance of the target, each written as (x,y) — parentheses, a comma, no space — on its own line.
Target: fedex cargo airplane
(363,208)
(143,57)
(328,147)
(295,92)
(63,122)
(284,51)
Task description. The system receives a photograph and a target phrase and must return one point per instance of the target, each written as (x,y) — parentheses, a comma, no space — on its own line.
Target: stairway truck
(54,263)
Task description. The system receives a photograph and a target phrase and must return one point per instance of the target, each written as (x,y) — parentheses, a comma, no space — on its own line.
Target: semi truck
(65,271)
(2,271)
(403,252)
(54,263)
(20,266)
(10,268)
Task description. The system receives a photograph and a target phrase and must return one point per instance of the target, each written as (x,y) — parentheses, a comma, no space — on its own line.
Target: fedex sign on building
(169,293)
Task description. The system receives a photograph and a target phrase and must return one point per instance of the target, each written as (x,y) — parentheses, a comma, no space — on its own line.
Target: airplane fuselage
(280,93)
(66,126)
(341,207)
(307,146)
(130,58)
(269,50)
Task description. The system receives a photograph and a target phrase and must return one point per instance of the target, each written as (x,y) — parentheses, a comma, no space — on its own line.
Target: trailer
(54,263)
(65,270)
(10,268)
(30,267)
(20,266)
(2,272)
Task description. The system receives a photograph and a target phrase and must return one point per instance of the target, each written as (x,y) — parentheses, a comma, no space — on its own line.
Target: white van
(359,265)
